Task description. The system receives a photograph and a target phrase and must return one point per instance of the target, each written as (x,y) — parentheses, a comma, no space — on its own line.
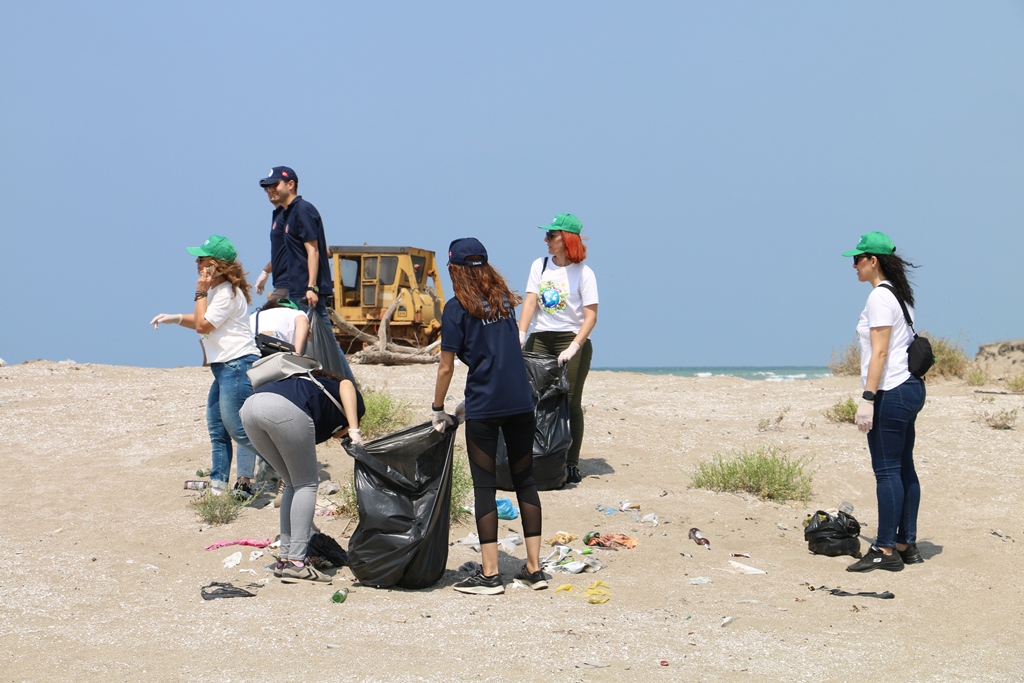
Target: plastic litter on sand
(233,560)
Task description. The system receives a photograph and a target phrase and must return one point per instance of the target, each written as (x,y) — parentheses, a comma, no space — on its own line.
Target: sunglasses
(551,234)
(858,257)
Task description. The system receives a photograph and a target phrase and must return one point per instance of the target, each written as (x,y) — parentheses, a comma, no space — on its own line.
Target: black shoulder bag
(920,358)
(268,344)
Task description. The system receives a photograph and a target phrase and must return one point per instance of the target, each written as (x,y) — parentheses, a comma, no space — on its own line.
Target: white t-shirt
(227,310)
(562,293)
(277,322)
(883,310)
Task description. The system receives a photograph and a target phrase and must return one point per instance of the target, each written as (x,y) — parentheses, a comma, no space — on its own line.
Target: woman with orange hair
(565,292)
(479,327)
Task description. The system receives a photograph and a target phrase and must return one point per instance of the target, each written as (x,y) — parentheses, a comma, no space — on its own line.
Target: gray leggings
(284,436)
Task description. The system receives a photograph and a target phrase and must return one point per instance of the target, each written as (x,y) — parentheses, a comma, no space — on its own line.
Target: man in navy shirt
(299,258)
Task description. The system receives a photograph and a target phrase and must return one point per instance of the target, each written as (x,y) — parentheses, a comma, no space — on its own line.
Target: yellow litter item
(599,584)
(598,599)
(567,587)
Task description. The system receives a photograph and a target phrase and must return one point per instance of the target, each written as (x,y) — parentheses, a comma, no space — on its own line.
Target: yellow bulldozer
(387,300)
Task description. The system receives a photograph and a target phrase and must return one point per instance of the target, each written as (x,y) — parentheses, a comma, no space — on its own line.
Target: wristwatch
(868,396)
(313,288)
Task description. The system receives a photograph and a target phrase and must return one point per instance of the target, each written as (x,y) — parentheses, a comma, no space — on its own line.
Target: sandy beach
(104,556)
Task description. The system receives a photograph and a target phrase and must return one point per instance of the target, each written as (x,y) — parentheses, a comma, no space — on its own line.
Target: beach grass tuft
(975,375)
(846,363)
(384,415)
(950,359)
(765,472)
(1000,419)
(844,410)
(1016,383)
(221,509)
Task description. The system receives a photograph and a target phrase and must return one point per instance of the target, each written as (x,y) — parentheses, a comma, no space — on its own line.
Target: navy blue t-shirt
(497,384)
(292,227)
(311,400)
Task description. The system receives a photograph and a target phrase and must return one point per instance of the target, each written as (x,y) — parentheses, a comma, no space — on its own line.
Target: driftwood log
(380,350)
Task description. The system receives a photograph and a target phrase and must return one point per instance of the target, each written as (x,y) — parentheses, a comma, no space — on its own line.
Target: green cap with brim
(216,247)
(877,243)
(565,222)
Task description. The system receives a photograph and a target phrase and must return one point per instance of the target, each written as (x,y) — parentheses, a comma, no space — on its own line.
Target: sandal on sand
(292,573)
(224,590)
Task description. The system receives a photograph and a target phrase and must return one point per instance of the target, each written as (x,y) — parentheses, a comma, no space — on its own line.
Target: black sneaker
(876,559)
(538,580)
(478,584)
(572,474)
(911,555)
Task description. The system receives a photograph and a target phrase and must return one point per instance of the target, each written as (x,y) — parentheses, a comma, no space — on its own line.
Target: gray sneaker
(292,573)
(478,584)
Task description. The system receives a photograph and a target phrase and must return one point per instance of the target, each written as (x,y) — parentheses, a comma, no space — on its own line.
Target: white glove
(166,319)
(566,355)
(440,419)
(261,281)
(865,416)
(355,437)
(460,412)
(522,339)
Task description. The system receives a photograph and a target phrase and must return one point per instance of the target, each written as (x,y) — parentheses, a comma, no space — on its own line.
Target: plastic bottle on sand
(846,508)
(699,539)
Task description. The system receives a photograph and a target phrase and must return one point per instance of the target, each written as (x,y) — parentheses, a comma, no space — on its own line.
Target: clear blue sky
(720,156)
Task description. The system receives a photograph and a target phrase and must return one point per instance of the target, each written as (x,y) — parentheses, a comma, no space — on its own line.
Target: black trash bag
(321,345)
(832,535)
(325,553)
(553,438)
(404,492)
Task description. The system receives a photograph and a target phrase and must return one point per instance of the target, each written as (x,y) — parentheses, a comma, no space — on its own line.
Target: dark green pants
(552,344)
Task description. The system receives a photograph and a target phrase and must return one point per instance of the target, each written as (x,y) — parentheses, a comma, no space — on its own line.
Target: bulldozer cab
(373,282)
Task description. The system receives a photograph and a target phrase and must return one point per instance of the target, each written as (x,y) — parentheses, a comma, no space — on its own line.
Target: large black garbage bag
(404,491)
(832,535)
(321,345)
(552,440)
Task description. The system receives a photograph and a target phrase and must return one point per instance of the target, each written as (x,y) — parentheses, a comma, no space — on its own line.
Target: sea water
(767,374)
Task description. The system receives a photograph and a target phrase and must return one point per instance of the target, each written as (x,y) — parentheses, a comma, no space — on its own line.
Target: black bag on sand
(325,553)
(321,345)
(404,492)
(553,438)
(832,535)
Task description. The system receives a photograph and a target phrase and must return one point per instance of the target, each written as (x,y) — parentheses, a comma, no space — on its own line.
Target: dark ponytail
(895,270)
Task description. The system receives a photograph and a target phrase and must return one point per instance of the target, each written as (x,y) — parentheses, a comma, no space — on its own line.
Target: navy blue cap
(279,173)
(467,251)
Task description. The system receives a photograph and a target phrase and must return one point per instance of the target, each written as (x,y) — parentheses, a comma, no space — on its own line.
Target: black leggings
(482,444)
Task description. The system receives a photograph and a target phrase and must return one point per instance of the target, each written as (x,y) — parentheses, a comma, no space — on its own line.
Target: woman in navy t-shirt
(479,326)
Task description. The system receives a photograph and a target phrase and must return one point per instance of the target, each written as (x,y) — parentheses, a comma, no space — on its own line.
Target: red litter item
(663,662)
(699,538)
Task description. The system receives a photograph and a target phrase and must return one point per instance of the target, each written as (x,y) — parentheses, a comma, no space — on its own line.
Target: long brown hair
(235,274)
(476,285)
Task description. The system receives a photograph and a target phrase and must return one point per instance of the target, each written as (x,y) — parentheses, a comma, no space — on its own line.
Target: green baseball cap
(873,243)
(216,247)
(565,222)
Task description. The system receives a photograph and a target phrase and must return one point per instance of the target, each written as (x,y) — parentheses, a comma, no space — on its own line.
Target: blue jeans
(891,442)
(228,392)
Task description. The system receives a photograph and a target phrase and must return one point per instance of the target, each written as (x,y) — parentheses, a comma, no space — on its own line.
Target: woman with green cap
(561,293)
(221,317)
(892,399)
